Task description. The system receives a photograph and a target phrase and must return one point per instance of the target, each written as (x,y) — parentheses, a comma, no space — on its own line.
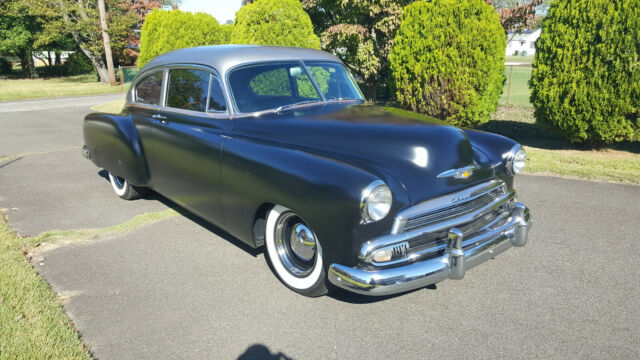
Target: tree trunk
(24,62)
(107,43)
(96,61)
(30,65)
(58,58)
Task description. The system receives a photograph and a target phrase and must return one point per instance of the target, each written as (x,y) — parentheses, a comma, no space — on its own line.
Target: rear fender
(114,144)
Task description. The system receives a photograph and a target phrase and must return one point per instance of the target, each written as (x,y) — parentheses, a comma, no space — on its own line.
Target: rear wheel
(295,252)
(125,190)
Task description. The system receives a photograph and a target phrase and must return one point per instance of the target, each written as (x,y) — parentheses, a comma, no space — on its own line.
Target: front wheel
(123,189)
(295,252)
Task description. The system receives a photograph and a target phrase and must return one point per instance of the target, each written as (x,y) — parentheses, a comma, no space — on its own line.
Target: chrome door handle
(162,118)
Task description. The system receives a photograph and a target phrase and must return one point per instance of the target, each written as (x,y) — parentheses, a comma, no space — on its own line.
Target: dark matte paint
(315,160)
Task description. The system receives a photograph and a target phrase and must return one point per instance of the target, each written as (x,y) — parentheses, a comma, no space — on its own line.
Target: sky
(222,10)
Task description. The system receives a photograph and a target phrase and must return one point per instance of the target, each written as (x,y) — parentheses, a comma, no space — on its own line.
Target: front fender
(325,192)
(114,144)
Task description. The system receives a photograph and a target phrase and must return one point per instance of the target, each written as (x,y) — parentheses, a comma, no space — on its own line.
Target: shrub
(274,22)
(77,64)
(5,66)
(585,82)
(164,31)
(448,60)
(225,33)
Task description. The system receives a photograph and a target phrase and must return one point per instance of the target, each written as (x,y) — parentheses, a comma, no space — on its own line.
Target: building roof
(224,57)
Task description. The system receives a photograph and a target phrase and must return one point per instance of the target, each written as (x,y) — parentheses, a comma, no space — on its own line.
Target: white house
(522,44)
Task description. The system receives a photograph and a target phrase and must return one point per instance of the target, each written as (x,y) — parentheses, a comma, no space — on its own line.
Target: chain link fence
(125,76)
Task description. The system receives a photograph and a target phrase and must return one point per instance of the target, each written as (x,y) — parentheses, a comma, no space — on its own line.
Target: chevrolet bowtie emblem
(462,173)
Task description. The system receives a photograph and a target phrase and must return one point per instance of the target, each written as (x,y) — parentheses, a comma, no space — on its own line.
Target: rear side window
(188,89)
(195,90)
(148,90)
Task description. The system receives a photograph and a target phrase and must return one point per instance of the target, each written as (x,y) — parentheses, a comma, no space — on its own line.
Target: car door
(143,105)
(188,137)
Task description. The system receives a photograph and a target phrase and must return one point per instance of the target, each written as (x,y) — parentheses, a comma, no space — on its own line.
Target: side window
(188,89)
(216,97)
(148,90)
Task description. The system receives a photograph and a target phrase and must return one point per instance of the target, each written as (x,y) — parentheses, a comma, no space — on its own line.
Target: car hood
(412,148)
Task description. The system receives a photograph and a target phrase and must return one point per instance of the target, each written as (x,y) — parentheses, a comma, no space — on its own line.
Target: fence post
(509,84)
(121,79)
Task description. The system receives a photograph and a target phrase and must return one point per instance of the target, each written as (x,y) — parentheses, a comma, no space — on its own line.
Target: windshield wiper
(290,106)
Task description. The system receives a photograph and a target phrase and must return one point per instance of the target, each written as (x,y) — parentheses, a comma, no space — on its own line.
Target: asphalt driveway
(182,289)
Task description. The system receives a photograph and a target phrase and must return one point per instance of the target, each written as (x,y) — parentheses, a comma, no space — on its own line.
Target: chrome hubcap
(118,181)
(295,244)
(303,243)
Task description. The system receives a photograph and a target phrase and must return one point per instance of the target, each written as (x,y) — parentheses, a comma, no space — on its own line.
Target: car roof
(225,57)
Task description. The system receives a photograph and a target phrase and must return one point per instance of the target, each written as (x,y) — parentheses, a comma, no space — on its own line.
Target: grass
(522,59)
(15,89)
(33,324)
(113,107)
(519,93)
(607,165)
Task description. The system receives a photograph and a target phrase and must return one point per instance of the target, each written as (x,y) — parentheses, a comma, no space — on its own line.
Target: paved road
(177,289)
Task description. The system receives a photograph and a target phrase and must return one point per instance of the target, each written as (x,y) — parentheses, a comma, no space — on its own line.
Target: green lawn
(15,89)
(113,107)
(33,324)
(523,59)
(519,93)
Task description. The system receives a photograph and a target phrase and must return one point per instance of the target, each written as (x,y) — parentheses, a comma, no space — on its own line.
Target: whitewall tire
(295,252)
(123,189)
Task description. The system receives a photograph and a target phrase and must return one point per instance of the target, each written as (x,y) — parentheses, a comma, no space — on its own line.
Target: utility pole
(107,43)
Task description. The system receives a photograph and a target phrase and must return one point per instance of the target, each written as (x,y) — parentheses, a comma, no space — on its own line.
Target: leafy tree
(517,15)
(274,22)
(361,33)
(585,82)
(164,31)
(17,35)
(448,60)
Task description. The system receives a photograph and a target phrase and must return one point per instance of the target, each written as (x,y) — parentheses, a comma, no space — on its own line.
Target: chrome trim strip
(399,279)
(456,172)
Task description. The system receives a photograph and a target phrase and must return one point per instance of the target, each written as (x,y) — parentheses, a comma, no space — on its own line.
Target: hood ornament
(462,173)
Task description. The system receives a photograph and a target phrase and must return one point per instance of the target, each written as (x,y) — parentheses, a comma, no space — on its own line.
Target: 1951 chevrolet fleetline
(277,147)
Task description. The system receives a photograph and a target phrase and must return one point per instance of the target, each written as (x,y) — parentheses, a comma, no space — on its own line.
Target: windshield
(277,85)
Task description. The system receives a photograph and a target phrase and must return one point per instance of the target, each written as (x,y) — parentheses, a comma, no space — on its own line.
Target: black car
(277,146)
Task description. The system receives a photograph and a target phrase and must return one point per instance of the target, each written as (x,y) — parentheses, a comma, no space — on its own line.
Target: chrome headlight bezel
(516,160)
(375,191)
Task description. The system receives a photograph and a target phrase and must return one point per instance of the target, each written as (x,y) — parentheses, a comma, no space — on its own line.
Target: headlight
(376,201)
(516,160)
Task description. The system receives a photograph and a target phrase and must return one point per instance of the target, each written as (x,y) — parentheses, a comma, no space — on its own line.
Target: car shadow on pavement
(152,195)
(353,298)
(259,352)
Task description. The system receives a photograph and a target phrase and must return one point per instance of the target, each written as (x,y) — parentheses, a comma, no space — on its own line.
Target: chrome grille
(454,210)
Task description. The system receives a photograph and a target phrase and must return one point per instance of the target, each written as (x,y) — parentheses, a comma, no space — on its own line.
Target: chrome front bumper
(459,256)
